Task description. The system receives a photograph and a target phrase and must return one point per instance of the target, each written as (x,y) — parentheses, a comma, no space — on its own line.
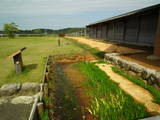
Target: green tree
(37,31)
(10,29)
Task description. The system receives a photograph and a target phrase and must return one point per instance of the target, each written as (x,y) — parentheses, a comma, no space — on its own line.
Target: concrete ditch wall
(16,88)
(39,106)
(151,76)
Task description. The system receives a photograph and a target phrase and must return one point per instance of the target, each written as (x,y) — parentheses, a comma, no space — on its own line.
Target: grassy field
(34,57)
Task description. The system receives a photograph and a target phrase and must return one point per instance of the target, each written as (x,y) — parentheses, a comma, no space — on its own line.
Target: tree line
(11,29)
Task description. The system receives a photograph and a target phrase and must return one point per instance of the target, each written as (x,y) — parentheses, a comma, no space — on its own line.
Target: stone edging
(151,76)
(12,89)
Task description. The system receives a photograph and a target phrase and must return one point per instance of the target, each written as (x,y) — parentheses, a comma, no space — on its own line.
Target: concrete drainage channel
(60,95)
(38,106)
(16,100)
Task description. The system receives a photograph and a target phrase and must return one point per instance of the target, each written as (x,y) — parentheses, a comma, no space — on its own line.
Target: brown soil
(141,59)
(107,47)
(77,79)
(75,58)
(70,100)
(138,93)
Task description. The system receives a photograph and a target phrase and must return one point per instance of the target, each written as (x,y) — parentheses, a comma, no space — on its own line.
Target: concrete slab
(152,118)
(10,111)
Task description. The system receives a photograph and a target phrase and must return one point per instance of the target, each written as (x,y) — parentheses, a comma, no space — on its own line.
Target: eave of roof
(126,14)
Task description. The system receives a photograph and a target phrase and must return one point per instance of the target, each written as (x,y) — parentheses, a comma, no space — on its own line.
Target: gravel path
(107,47)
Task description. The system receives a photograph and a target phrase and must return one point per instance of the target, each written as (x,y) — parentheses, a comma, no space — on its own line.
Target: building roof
(126,14)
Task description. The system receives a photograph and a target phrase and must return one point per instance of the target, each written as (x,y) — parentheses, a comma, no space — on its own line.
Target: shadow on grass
(97,53)
(26,70)
(100,54)
(30,67)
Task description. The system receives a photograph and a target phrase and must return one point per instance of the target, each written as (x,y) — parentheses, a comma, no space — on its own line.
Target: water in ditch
(66,105)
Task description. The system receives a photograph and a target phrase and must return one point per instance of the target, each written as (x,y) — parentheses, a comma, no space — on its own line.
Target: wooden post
(18,67)
(18,63)
(59,42)
(156,52)
(138,29)
(106,31)
(17,59)
(157,38)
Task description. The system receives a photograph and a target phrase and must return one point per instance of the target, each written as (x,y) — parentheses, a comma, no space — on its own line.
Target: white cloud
(64,7)
(64,13)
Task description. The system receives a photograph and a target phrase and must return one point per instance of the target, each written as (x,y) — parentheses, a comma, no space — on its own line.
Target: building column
(157,38)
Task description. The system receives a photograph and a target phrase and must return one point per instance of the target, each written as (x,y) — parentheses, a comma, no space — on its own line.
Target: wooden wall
(137,29)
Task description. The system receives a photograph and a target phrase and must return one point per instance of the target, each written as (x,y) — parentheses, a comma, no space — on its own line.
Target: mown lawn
(34,57)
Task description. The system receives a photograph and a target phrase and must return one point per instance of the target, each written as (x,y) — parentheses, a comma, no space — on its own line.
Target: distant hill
(68,30)
(50,31)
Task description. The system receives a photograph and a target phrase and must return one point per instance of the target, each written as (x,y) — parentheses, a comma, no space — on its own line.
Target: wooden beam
(124,30)
(114,30)
(14,54)
(138,29)
(101,25)
(106,31)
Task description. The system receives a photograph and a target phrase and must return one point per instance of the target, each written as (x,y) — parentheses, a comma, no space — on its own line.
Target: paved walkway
(152,118)
(138,93)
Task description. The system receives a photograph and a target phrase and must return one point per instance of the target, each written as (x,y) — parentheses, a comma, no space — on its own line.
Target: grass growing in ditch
(44,116)
(109,102)
(97,53)
(155,92)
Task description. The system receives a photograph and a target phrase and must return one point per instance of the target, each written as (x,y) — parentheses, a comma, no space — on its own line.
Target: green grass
(109,102)
(34,57)
(155,92)
(45,115)
(97,53)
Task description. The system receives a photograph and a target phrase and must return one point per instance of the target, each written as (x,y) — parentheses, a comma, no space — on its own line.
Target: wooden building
(140,27)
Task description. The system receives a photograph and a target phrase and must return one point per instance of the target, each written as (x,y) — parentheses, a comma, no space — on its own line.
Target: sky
(58,14)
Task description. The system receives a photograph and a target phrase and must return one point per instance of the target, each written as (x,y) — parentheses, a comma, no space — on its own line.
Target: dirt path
(77,80)
(138,93)
(140,58)
(66,106)
(107,47)
(69,93)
